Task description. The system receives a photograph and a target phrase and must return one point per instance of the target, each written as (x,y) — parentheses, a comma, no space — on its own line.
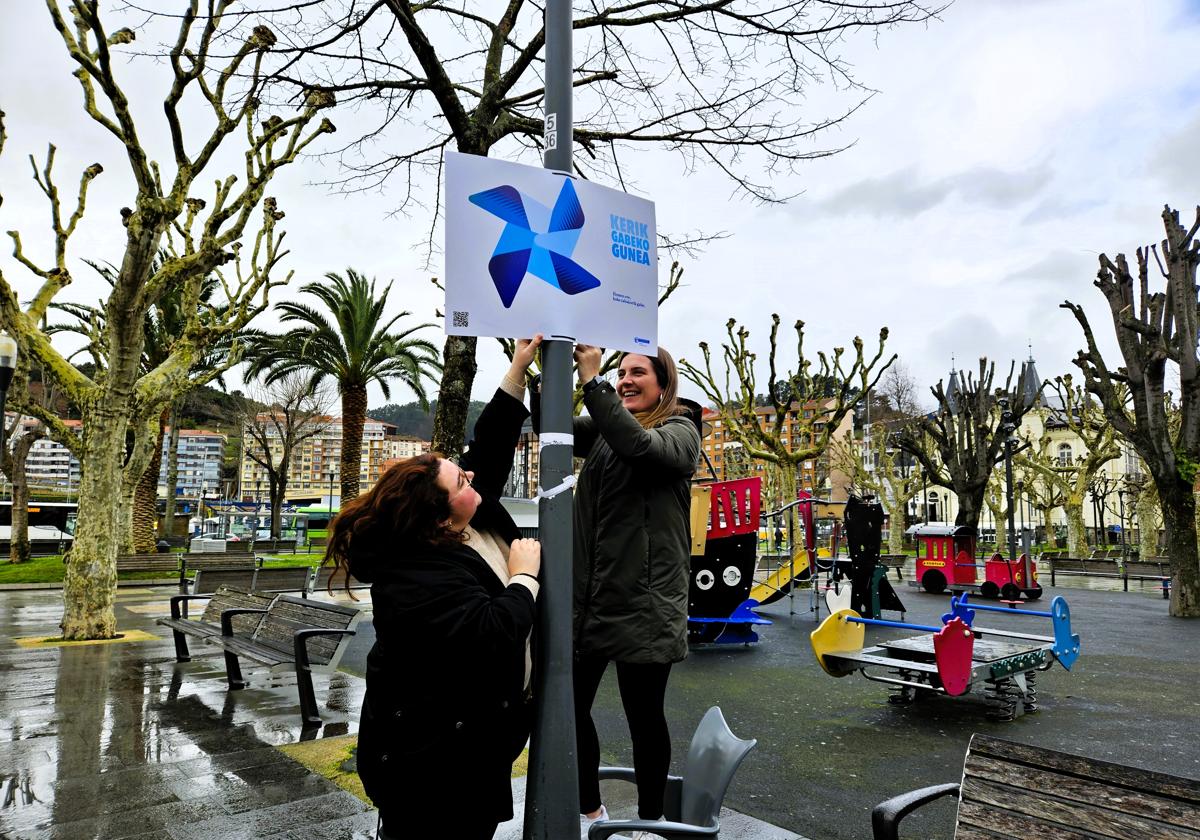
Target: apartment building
(725,452)
(316,463)
(50,465)
(200,454)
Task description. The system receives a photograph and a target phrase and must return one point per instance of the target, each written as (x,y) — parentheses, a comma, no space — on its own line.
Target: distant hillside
(410,419)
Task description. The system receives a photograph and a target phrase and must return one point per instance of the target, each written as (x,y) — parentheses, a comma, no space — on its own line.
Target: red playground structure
(946,560)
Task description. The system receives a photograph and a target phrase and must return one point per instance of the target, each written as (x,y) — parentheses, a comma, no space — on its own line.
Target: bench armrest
(176,600)
(300,640)
(886,816)
(620,774)
(227,618)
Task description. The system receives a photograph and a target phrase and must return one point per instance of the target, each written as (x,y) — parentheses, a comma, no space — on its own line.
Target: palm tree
(354,347)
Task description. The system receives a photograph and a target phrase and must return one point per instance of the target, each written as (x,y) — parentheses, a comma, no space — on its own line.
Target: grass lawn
(50,569)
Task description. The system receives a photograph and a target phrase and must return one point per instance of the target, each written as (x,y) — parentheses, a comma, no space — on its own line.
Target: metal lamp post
(552,795)
(8,366)
(1007,427)
(330,522)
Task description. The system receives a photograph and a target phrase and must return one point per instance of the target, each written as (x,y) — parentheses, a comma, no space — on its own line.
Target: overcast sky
(1010,143)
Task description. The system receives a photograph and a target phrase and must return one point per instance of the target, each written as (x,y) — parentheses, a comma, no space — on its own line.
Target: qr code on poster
(462,319)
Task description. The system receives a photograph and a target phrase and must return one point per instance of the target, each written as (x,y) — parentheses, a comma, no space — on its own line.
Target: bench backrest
(195,562)
(210,580)
(283,579)
(239,546)
(147,562)
(1018,790)
(289,614)
(230,598)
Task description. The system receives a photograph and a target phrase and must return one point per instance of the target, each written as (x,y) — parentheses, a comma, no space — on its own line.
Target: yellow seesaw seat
(837,635)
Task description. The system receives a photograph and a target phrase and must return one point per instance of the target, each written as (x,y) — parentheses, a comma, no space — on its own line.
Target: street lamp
(327,526)
(1007,428)
(8,365)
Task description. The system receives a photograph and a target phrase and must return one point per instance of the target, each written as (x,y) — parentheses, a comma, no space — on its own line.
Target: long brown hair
(668,379)
(406,507)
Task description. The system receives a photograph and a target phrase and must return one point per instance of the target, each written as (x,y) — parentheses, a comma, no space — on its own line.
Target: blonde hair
(668,379)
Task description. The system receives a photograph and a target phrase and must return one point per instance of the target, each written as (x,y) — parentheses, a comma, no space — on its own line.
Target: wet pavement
(117,740)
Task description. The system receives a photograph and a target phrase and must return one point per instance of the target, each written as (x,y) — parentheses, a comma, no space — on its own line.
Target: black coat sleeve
(491,451)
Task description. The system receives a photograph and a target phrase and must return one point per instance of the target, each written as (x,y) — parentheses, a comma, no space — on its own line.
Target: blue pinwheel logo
(536,240)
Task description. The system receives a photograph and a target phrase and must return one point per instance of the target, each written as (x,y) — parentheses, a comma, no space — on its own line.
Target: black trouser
(643,691)
(431,826)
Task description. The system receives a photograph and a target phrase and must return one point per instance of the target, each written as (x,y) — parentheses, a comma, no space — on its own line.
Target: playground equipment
(870,591)
(950,659)
(946,559)
(805,558)
(725,519)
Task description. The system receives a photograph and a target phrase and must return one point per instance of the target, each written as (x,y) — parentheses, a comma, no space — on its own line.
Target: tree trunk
(1149,519)
(90,583)
(168,524)
(1076,529)
(19,550)
(969,506)
(1179,519)
(277,508)
(896,508)
(354,416)
(454,398)
(145,497)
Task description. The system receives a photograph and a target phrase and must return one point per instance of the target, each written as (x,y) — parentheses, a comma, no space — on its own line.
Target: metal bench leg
(182,654)
(308,697)
(233,670)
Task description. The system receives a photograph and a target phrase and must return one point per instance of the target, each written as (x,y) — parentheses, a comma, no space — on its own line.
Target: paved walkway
(117,740)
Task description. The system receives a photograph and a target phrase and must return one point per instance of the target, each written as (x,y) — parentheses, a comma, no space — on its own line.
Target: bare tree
(723,83)
(899,393)
(960,443)
(201,237)
(1154,332)
(1071,476)
(817,402)
(275,422)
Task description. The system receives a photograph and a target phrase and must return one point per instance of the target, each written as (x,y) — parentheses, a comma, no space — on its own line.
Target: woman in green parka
(631,555)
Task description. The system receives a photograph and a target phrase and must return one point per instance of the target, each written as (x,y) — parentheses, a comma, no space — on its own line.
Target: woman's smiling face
(464,500)
(637,384)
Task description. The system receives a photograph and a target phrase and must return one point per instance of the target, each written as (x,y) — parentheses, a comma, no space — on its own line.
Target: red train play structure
(946,560)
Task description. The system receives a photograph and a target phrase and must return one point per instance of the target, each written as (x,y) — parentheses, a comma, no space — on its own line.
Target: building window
(1065,455)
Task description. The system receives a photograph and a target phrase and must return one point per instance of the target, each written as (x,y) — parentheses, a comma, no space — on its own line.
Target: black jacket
(444,716)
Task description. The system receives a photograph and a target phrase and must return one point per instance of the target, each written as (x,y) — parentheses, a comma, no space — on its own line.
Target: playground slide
(779,582)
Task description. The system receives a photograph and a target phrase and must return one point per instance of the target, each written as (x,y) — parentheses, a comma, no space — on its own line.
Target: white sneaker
(585,822)
(646,835)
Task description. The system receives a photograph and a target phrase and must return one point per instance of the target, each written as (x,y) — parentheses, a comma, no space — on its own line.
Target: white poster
(529,250)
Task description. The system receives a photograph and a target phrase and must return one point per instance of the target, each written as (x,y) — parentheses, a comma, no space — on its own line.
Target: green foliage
(411,419)
(1186,467)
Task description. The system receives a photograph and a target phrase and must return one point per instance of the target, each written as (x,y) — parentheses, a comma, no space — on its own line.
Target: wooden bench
(1016,790)
(275,546)
(209,623)
(1091,567)
(280,579)
(239,546)
(294,633)
(318,542)
(148,563)
(333,579)
(208,581)
(194,562)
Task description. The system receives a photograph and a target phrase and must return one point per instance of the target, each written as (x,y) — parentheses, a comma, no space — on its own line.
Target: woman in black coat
(453,589)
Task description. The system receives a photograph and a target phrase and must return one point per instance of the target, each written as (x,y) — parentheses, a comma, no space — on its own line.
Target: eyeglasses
(467,483)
